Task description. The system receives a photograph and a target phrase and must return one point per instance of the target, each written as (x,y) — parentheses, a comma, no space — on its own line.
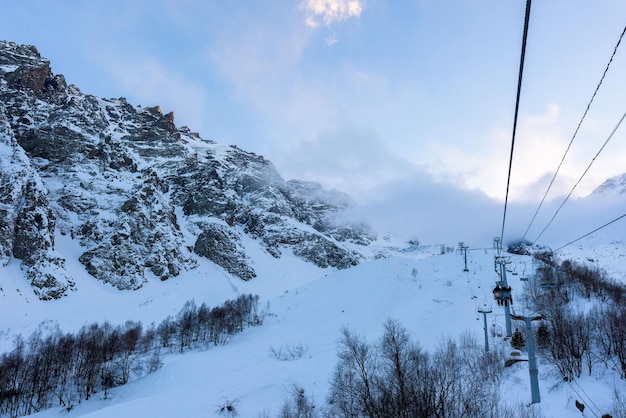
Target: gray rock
(113,176)
(324,253)
(223,247)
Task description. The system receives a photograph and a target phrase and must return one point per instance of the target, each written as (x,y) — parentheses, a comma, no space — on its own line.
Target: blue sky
(377,98)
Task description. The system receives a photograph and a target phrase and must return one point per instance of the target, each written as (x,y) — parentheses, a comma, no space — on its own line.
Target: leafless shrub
(288,352)
(228,408)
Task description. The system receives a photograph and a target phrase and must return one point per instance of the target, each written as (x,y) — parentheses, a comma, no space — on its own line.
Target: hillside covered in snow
(260,371)
(207,285)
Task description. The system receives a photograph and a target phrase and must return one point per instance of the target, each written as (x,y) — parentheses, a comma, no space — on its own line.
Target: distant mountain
(613,186)
(141,195)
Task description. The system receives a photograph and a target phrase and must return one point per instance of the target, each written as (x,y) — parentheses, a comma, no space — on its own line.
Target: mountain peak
(612,186)
(22,66)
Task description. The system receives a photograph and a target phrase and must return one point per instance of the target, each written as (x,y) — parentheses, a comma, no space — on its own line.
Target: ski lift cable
(589,233)
(581,397)
(606,69)
(472,288)
(581,177)
(517,100)
(589,399)
(478,284)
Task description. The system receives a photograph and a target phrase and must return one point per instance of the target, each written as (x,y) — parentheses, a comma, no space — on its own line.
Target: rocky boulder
(222,246)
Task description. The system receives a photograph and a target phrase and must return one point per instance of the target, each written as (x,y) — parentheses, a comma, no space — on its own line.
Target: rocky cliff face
(141,195)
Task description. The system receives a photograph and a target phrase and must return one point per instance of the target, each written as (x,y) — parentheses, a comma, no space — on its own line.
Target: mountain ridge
(615,185)
(141,195)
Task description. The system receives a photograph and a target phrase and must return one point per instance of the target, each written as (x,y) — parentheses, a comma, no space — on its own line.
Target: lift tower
(485,311)
(464,249)
(502,291)
(533,371)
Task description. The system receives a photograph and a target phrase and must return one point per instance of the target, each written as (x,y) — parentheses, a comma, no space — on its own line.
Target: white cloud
(434,212)
(331,40)
(440,212)
(311,22)
(331,11)
(540,143)
(348,158)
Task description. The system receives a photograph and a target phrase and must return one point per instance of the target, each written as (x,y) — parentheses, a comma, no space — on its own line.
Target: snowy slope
(428,292)
(147,175)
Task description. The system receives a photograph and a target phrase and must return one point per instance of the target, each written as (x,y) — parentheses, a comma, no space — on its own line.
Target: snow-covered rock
(613,186)
(117,178)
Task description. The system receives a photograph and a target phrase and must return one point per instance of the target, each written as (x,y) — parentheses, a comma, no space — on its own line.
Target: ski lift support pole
(533,371)
(497,244)
(502,291)
(485,311)
(463,248)
(508,299)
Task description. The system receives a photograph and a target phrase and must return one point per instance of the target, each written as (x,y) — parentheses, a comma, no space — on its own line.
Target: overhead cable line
(519,90)
(589,233)
(581,177)
(590,401)
(606,69)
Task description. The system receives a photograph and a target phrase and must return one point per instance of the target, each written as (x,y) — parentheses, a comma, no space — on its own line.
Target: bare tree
(300,405)
(610,324)
(352,386)
(395,378)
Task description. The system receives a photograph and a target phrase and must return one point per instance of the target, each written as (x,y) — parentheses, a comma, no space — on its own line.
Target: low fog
(437,213)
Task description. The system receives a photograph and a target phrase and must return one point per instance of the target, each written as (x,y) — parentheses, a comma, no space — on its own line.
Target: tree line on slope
(52,368)
(394,377)
(572,338)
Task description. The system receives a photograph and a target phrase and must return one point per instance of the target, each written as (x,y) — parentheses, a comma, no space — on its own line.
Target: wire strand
(606,69)
(581,177)
(589,233)
(517,100)
(590,401)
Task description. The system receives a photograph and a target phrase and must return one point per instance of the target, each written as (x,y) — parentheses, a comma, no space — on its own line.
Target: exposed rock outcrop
(115,177)
(223,247)
(27,222)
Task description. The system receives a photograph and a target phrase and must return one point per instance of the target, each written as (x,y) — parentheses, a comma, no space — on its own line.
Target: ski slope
(428,292)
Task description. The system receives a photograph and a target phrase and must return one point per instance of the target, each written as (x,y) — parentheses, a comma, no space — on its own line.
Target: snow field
(430,294)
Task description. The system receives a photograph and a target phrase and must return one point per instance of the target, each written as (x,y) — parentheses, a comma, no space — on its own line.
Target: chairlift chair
(496,329)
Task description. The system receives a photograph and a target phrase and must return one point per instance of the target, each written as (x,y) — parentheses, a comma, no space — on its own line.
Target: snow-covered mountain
(100,196)
(613,186)
(141,195)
